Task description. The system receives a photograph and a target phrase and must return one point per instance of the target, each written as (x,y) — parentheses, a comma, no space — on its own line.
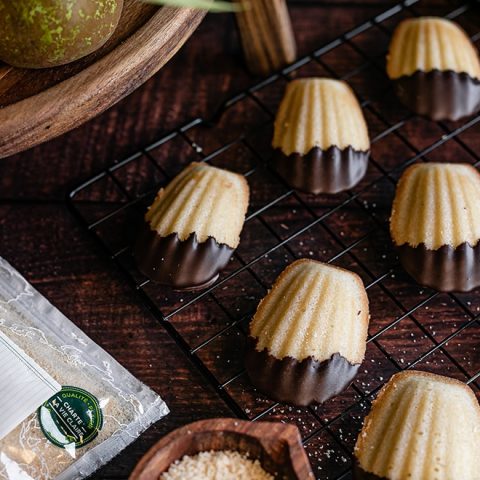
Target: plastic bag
(99,411)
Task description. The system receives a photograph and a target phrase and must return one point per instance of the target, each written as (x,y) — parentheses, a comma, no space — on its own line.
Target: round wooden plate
(37,105)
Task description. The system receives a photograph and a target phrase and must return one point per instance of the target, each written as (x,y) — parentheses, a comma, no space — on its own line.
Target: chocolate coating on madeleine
(180,264)
(322,171)
(435,68)
(435,226)
(298,382)
(192,227)
(308,335)
(448,269)
(320,139)
(439,95)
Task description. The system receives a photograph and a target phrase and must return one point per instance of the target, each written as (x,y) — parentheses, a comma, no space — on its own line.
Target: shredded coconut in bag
(99,409)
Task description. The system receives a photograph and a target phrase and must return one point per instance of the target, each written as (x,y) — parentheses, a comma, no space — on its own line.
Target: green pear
(47,33)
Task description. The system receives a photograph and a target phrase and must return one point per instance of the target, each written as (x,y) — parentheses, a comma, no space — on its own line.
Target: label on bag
(71,418)
(24,385)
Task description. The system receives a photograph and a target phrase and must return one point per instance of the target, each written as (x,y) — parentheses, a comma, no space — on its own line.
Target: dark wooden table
(42,239)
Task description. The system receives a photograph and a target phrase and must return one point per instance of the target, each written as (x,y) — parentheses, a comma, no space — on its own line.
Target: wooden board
(37,105)
(276,445)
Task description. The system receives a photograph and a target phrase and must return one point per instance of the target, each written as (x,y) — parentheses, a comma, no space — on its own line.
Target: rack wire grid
(411,326)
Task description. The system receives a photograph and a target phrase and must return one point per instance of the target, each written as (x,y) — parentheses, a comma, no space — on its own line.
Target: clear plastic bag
(100,400)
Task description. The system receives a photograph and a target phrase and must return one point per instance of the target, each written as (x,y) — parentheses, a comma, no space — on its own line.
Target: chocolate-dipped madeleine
(193,227)
(308,336)
(421,427)
(435,225)
(435,68)
(320,141)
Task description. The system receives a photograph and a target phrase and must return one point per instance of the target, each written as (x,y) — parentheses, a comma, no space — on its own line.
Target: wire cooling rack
(411,326)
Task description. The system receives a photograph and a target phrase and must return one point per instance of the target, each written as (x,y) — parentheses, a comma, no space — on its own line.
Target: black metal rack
(349,229)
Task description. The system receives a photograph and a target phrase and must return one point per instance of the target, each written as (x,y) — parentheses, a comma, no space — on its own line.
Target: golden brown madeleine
(308,336)
(435,68)
(320,139)
(193,227)
(435,225)
(421,426)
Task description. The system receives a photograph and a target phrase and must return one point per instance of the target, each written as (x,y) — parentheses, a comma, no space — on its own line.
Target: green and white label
(71,418)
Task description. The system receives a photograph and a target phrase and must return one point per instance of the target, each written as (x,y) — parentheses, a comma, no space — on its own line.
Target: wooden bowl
(37,105)
(277,446)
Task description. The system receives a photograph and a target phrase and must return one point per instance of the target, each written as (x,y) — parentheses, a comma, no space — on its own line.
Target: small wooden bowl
(277,446)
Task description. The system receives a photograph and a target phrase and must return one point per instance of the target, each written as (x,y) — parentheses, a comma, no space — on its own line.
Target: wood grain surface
(42,239)
(64,97)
